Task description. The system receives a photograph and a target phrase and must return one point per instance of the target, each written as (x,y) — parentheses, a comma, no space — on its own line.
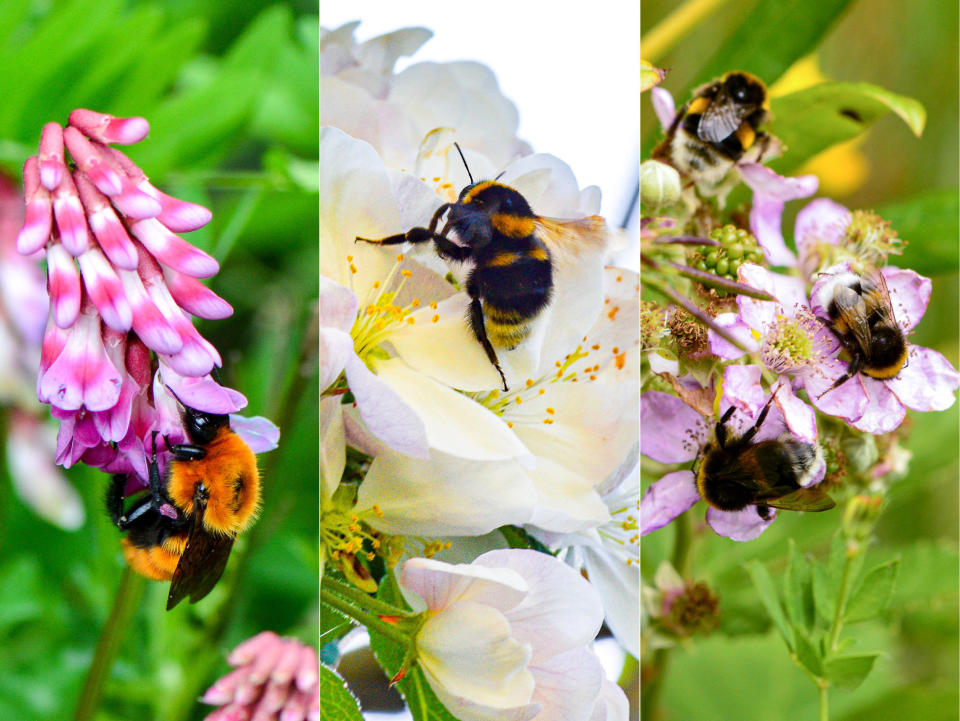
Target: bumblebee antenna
(469,174)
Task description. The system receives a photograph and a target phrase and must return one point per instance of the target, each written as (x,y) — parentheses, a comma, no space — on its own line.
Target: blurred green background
(230,91)
(743,671)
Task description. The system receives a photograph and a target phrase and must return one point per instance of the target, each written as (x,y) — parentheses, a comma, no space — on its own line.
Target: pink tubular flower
(276,679)
(673,432)
(120,352)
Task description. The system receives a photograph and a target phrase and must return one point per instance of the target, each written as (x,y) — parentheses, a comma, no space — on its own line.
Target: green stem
(841,602)
(824,702)
(367,619)
(124,606)
(683,544)
(365,601)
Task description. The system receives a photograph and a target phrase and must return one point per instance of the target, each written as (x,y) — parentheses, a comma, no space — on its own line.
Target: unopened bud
(659,184)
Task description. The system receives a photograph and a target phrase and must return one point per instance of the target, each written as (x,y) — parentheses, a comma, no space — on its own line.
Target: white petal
(612,705)
(454,423)
(446,495)
(567,501)
(336,346)
(333,457)
(568,685)
(441,585)
(619,587)
(468,650)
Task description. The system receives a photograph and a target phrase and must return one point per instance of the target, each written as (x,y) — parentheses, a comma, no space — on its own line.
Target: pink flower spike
(172,250)
(105,289)
(148,322)
(113,424)
(223,690)
(194,297)
(108,128)
(71,221)
(63,283)
(309,672)
(39,220)
(52,166)
(180,216)
(54,341)
(90,161)
(106,226)
(197,357)
(82,375)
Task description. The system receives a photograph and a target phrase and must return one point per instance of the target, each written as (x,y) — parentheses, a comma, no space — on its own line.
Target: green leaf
(809,654)
(798,590)
(813,119)
(873,594)
(772,37)
(928,222)
(339,704)
(849,671)
(824,593)
(768,596)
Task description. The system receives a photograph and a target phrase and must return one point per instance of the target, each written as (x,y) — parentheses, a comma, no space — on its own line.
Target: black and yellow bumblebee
(861,317)
(182,527)
(719,126)
(734,472)
(513,251)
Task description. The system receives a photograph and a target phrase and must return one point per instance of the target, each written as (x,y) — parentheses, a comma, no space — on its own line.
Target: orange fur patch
(156,562)
(512,226)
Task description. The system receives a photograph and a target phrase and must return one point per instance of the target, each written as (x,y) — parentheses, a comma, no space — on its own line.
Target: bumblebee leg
(414,235)
(721,428)
(480,331)
(114,498)
(852,370)
(763,511)
(752,431)
(187,452)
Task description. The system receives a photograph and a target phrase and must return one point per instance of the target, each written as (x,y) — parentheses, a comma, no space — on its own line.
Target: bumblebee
(861,317)
(181,529)
(735,472)
(719,126)
(513,253)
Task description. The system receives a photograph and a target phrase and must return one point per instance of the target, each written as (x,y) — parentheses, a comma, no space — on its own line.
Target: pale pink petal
(561,610)
(820,221)
(338,305)
(38,220)
(260,433)
(670,430)
(52,167)
(109,129)
(223,690)
(663,106)
(666,499)
(90,161)
(731,323)
(928,381)
(799,417)
(288,664)
(787,289)
(883,413)
(63,283)
(743,525)
(741,388)
(335,348)
(68,212)
(909,295)
(172,250)
(194,297)
(308,671)
(847,400)
(612,705)
(770,193)
(105,289)
(106,226)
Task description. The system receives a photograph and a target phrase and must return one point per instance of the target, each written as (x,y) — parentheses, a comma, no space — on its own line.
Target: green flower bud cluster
(737,246)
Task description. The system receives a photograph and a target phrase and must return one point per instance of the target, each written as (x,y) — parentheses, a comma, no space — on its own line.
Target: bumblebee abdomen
(157,562)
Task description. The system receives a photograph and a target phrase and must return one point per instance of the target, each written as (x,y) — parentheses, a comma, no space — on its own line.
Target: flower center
(621,534)
(789,344)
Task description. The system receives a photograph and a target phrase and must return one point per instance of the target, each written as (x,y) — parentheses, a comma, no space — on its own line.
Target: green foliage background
(743,671)
(230,90)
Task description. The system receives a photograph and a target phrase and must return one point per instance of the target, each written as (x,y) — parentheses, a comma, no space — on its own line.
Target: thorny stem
(125,604)
(364,600)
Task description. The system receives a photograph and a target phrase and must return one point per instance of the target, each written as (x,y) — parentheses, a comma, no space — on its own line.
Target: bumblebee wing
(876,292)
(813,498)
(570,239)
(852,310)
(721,118)
(201,565)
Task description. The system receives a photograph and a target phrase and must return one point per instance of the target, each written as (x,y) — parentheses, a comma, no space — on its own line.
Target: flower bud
(659,184)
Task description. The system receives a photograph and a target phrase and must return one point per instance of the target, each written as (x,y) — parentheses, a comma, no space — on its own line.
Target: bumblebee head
(487,206)
(745,89)
(201,427)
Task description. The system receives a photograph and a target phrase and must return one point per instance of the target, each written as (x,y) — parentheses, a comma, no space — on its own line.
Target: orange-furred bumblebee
(735,472)
(513,253)
(181,529)
(861,317)
(719,126)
